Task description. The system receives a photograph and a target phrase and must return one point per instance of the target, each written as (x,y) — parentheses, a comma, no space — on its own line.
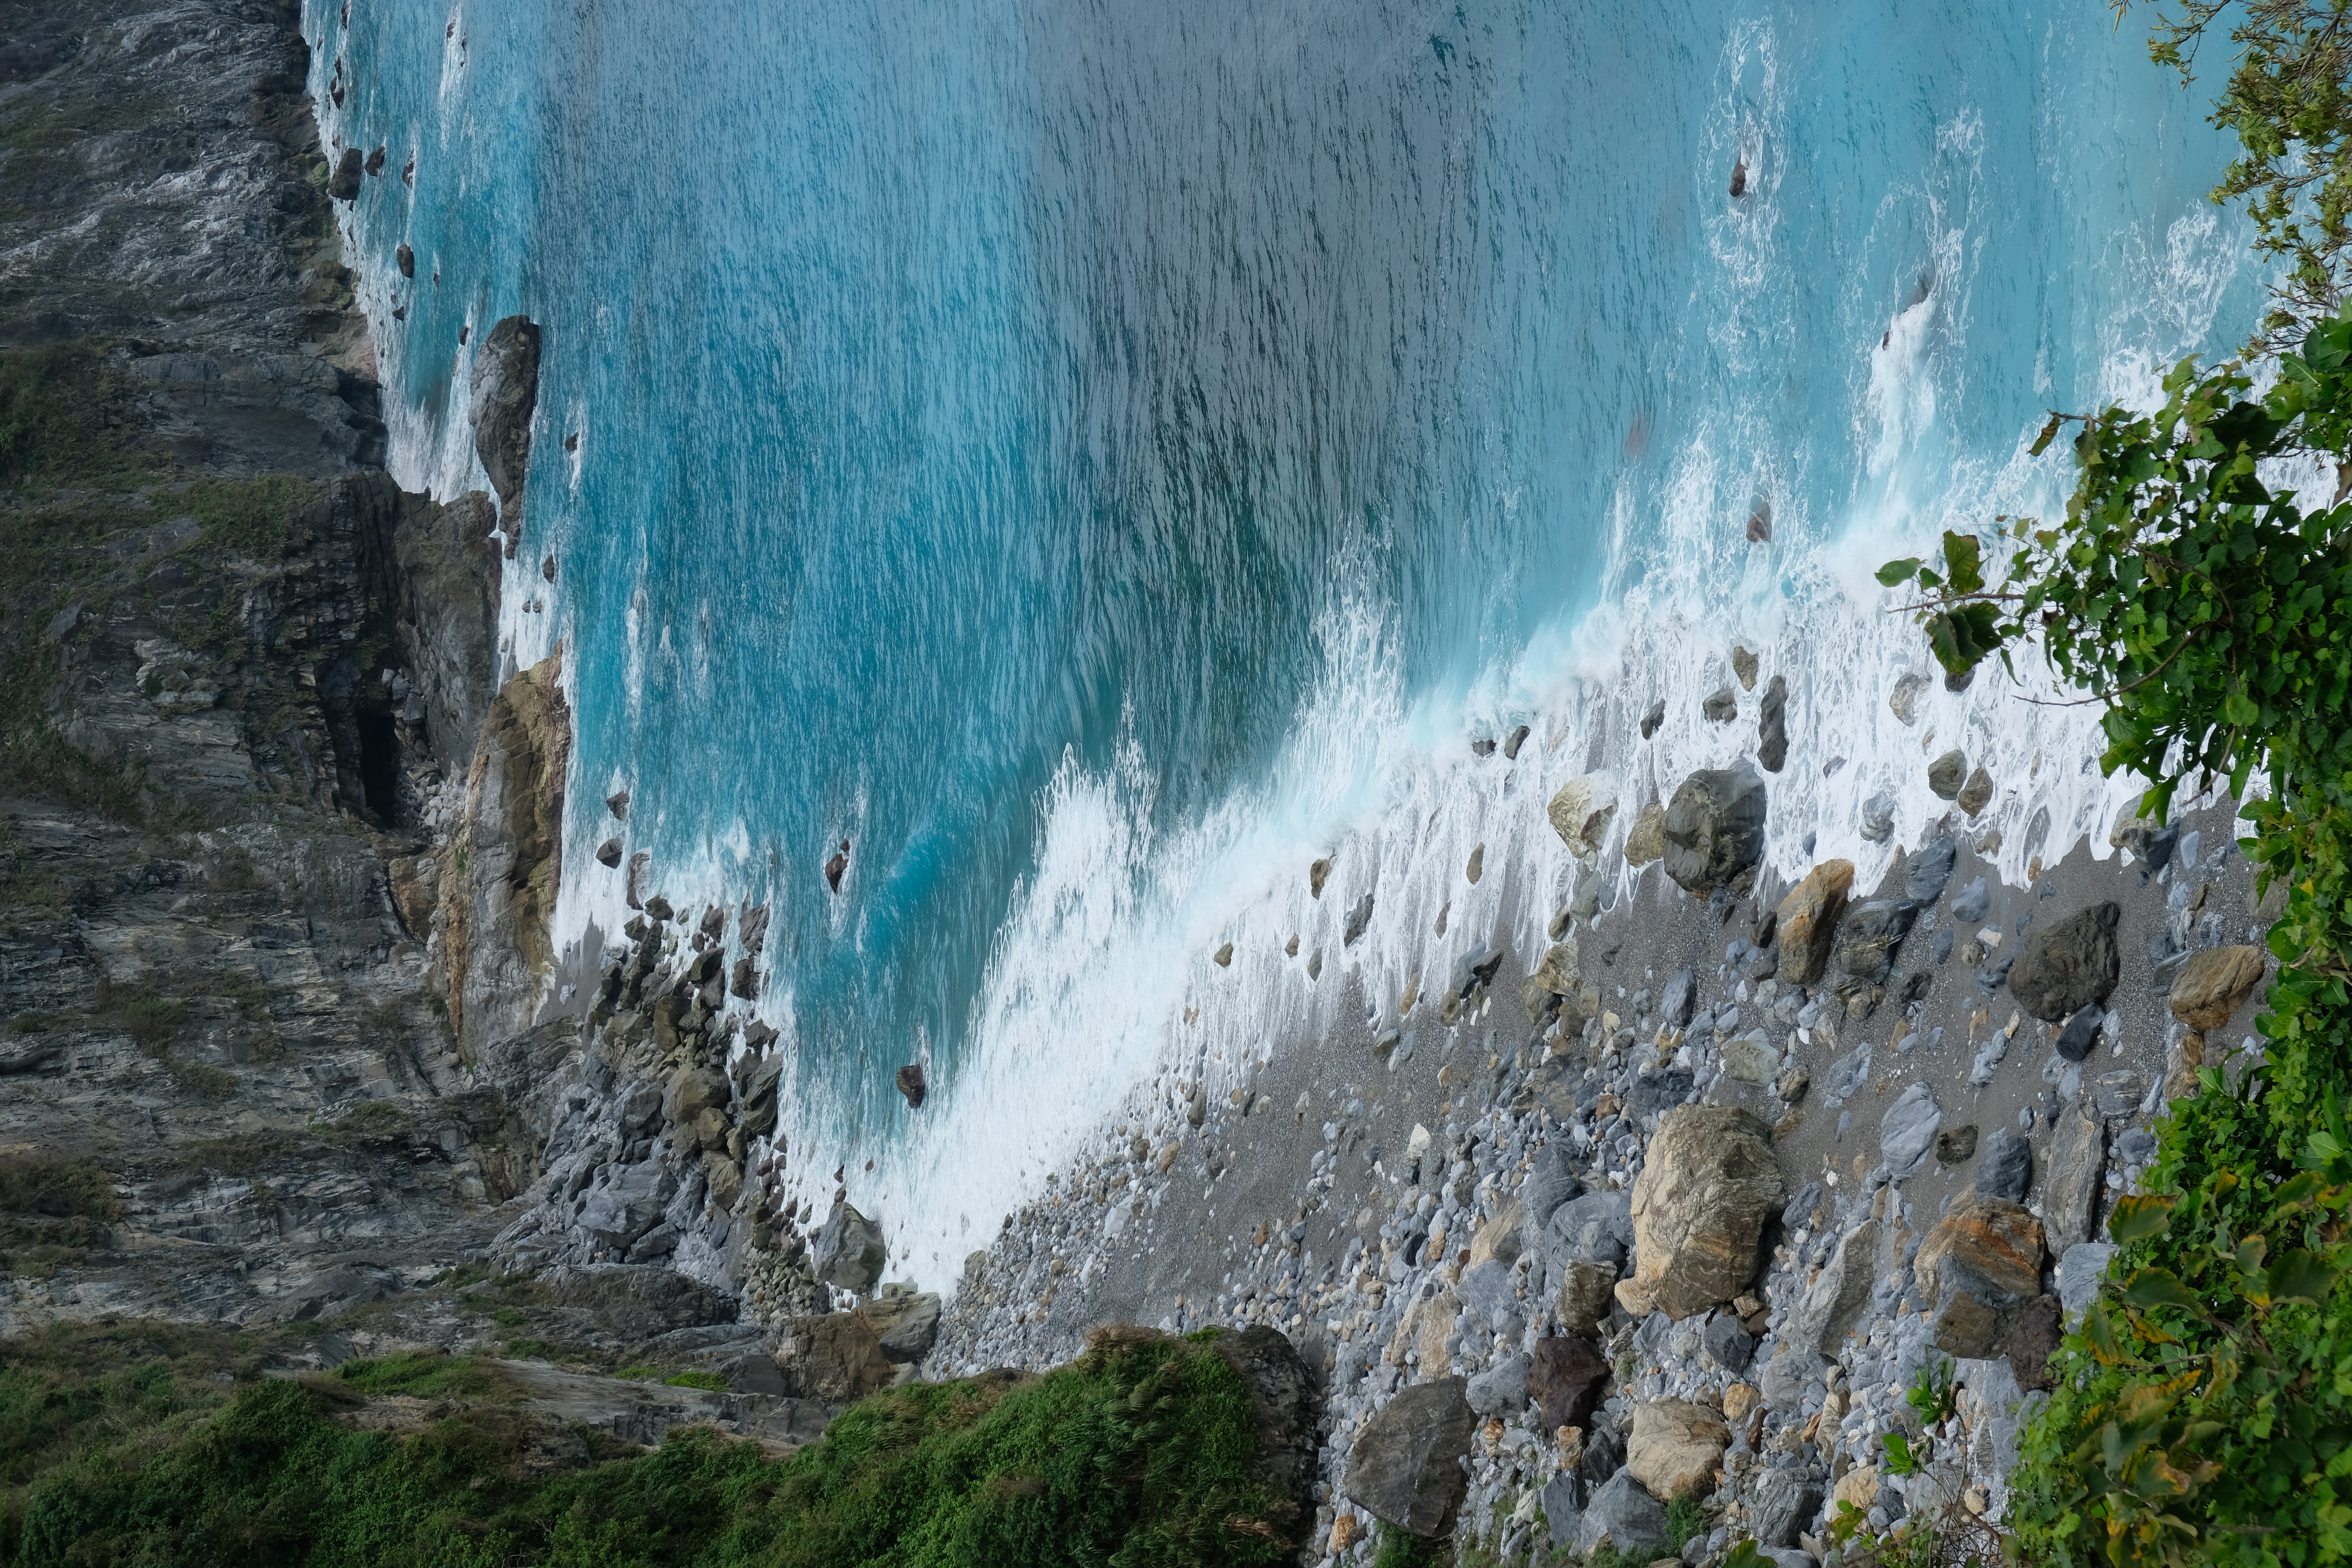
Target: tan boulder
(2214,984)
(1739,1399)
(1423,1330)
(837,1358)
(1808,922)
(1858,1487)
(1580,813)
(1646,841)
(1675,1448)
(1499,1239)
(1707,1184)
(1584,1297)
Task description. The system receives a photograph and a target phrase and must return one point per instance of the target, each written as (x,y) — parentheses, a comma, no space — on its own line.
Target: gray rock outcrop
(1404,1467)
(503,394)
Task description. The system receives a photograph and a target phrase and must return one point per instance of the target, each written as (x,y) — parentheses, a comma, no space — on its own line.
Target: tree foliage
(2203,1408)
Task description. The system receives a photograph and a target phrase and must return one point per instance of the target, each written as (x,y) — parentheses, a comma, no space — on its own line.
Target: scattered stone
(1647,839)
(1929,871)
(1318,874)
(2117,1093)
(1512,742)
(2080,1033)
(1580,813)
(1772,728)
(911,1085)
(1224,957)
(1566,1374)
(1946,773)
(837,867)
(406,259)
(1558,972)
(1833,1304)
(1870,933)
(1715,828)
(1904,699)
(1878,818)
(1956,1145)
(1720,706)
(1358,920)
(1751,1059)
(1477,865)
(1744,665)
(905,1322)
(617,803)
(1708,1181)
(2072,1181)
(1808,922)
(1678,999)
(1588,1291)
(2215,984)
(2007,1168)
(1675,1448)
(1654,718)
(1501,1388)
(1786,1501)
(1907,1130)
(1976,795)
(344,184)
(1405,1466)
(1731,1345)
(1759,518)
(609,852)
(2064,967)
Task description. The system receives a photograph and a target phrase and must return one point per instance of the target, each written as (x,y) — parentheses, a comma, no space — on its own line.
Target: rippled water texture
(1098,456)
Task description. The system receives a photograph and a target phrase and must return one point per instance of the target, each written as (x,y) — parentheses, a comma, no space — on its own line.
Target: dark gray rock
(1565,1377)
(1681,996)
(1720,706)
(1653,1093)
(1715,828)
(503,393)
(2080,1033)
(847,1251)
(1906,1132)
(1785,1504)
(1972,902)
(406,259)
(344,184)
(1597,1227)
(2005,1169)
(1772,727)
(1405,1466)
(1929,871)
(1731,1345)
(1878,818)
(1283,1405)
(2066,966)
(1621,1512)
(1358,918)
(1946,773)
(1654,718)
(1869,935)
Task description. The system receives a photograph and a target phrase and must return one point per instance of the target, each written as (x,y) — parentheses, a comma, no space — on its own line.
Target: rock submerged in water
(1512,742)
(1772,727)
(406,259)
(1715,828)
(609,852)
(1720,706)
(1975,795)
(503,389)
(912,1084)
(1946,773)
(344,184)
(1581,811)
(835,866)
(1360,919)
(1646,841)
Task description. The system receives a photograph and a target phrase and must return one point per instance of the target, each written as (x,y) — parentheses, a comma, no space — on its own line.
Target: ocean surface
(1097,457)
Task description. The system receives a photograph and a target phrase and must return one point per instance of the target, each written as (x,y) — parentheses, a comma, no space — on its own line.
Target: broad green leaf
(2137,1218)
(1896,573)
(2049,433)
(2159,1287)
(2303,1275)
(1962,560)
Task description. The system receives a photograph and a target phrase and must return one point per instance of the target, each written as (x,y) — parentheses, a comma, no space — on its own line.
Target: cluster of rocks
(1708,1229)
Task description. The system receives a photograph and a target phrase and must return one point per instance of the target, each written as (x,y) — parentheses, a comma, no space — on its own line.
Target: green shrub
(1140,1453)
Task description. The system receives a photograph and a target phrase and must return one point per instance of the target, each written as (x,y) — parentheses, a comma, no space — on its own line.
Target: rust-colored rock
(1807,919)
(1564,1378)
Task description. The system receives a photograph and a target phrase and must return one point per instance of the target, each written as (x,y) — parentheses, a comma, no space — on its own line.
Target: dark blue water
(1097,456)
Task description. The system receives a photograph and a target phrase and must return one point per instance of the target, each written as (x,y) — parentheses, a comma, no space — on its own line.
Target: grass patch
(66,417)
(262,517)
(57,1189)
(424,1374)
(1139,1453)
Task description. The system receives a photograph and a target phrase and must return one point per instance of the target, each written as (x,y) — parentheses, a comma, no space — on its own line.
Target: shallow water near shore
(1098,462)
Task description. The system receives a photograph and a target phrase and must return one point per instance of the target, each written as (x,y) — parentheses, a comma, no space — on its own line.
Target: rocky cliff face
(255,761)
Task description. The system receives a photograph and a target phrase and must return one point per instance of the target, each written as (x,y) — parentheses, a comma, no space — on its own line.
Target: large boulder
(1580,813)
(1560,972)
(1707,1184)
(2214,984)
(1283,1407)
(1715,827)
(904,1319)
(1676,1447)
(1405,1466)
(1566,1375)
(1807,921)
(503,392)
(1980,1264)
(2064,967)
(837,1358)
(847,1251)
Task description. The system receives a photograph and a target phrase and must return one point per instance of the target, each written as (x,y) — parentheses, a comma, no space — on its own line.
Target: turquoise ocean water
(1099,457)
